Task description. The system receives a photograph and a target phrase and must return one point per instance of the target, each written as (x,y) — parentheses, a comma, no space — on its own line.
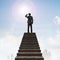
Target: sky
(13,24)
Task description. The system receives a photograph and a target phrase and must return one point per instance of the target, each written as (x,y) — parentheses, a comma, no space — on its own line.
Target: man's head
(29,14)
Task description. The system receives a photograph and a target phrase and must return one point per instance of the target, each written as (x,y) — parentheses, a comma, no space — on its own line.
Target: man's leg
(28,28)
(31,28)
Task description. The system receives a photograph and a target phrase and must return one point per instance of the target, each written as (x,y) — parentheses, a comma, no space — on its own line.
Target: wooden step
(29,54)
(29,58)
(29,50)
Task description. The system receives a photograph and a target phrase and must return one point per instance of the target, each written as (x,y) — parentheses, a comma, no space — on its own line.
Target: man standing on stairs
(30,21)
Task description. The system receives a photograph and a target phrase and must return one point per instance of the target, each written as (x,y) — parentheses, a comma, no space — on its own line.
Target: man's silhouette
(30,21)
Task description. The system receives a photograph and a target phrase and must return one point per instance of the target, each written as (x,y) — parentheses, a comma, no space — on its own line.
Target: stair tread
(29,53)
(29,57)
(29,50)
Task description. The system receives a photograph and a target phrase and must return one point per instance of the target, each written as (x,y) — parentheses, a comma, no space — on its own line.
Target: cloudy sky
(13,25)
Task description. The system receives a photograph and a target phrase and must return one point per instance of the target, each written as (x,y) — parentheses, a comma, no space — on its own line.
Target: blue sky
(46,25)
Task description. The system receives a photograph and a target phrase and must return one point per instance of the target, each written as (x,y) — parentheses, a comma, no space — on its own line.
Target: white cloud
(57,20)
(47,55)
(54,41)
(9,44)
(52,45)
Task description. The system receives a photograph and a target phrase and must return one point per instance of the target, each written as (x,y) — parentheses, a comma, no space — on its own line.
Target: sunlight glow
(19,10)
(24,9)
